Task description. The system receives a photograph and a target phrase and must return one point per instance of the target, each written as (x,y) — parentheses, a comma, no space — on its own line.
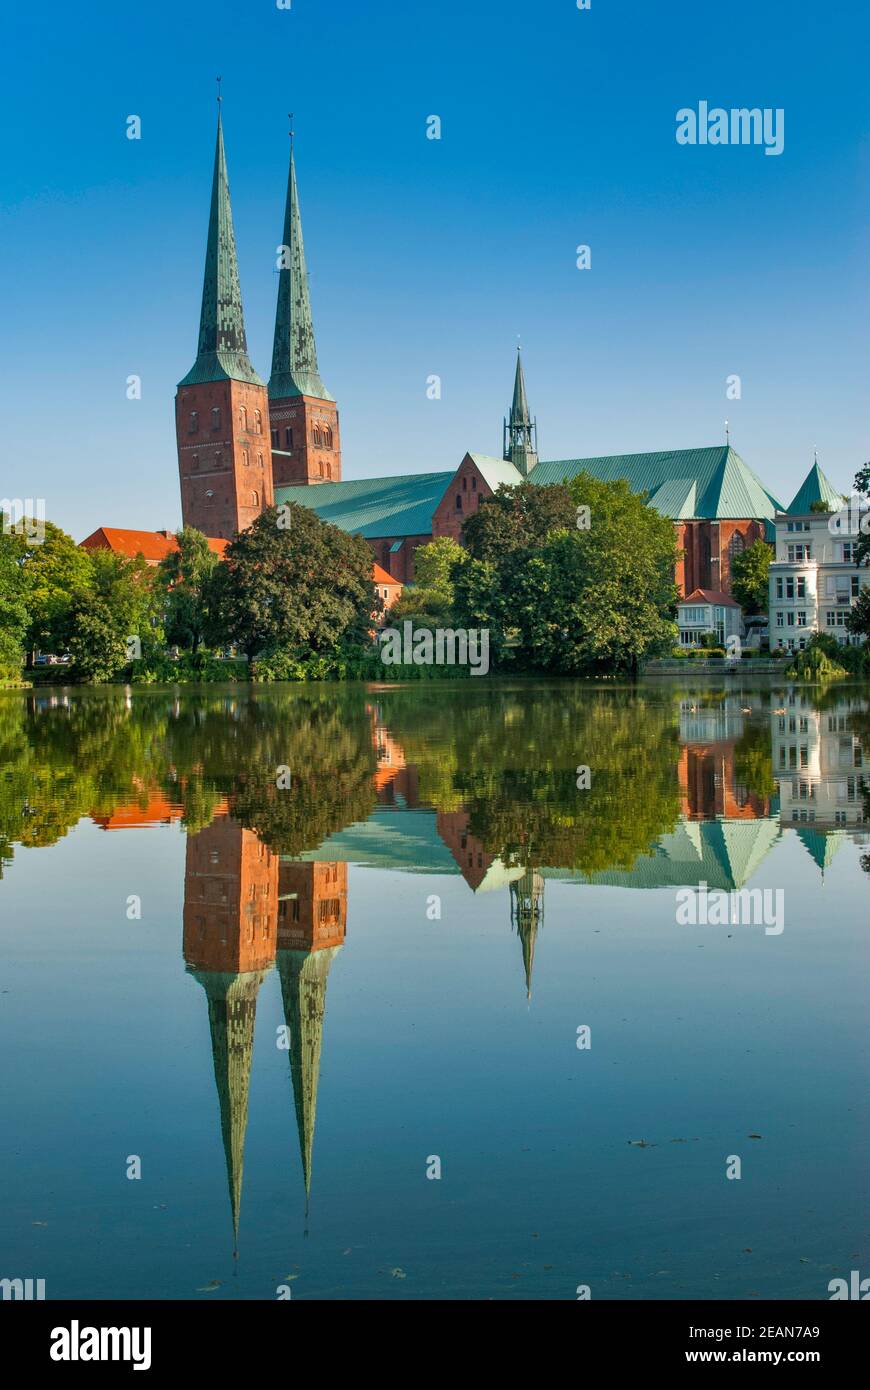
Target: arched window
(327,437)
(258,421)
(255,499)
(317,436)
(260,461)
(243,417)
(288,439)
(216,417)
(193,427)
(209,496)
(459,501)
(464,484)
(320,468)
(245,459)
(196,460)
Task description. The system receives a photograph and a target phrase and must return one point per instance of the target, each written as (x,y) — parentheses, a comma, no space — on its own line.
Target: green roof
(497,471)
(373,507)
(814,488)
(222,353)
(725,487)
(294,354)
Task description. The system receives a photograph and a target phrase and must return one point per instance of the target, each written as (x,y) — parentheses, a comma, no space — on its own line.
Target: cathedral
(244,445)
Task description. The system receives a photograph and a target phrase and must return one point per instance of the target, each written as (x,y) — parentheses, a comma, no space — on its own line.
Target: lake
(465,990)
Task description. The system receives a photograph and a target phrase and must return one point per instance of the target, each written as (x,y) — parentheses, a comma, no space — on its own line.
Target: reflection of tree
(515,754)
(753,762)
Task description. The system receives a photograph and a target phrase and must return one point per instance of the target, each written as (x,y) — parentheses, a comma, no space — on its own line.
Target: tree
(14,617)
(858,621)
(518,518)
(303,588)
(591,601)
(184,575)
(53,571)
(94,639)
(430,599)
(862,487)
(750,582)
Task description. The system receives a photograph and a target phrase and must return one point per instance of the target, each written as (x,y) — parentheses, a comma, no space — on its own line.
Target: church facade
(245,444)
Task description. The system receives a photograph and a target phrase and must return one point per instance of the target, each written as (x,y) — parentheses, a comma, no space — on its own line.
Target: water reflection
(688,787)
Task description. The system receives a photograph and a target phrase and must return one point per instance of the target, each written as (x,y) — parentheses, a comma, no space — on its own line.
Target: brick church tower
(222,407)
(306,445)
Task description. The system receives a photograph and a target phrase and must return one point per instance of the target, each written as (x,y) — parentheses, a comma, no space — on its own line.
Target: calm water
(294,948)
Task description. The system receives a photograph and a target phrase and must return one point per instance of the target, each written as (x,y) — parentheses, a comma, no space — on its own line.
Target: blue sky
(433,257)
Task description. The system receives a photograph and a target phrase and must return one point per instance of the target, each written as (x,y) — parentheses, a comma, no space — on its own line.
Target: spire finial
(219,80)
(292,131)
(727,433)
(815,456)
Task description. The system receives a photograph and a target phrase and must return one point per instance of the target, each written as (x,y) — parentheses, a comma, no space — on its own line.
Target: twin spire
(520,430)
(222,353)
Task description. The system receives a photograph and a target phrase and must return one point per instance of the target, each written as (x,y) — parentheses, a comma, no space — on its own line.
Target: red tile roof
(152,545)
(380,576)
(713,596)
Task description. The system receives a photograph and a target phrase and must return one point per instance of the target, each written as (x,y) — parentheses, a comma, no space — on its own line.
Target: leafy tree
(184,574)
(591,601)
(750,582)
(304,588)
(858,621)
(95,640)
(517,519)
(821,506)
(53,571)
(429,600)
(14,616)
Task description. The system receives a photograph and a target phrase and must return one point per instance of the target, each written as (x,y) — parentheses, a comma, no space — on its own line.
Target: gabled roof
(380,576)
(496,472)
(373,507)
(725,487)
(151,545)
(814,488)
(714,596)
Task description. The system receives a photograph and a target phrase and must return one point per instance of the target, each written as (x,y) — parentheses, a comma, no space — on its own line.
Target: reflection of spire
(304,976)
(527,912)
(232,1009)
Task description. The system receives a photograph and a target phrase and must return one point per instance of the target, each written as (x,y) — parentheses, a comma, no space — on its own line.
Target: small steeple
(520,430)
(223,349)
(294,355)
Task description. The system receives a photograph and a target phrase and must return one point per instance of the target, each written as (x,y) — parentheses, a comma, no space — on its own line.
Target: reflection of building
(708,773)
(527,914)
(230,921)
(311,931)
(819,762)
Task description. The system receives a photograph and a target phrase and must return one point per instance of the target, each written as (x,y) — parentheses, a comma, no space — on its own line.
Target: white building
(814,580)
(708,611)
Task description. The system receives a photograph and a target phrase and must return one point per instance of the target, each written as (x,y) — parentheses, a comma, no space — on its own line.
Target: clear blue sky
(432,257)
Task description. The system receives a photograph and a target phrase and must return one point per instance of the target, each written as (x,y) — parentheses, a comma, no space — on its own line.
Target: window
(216,417)
(196,460)
(789,619)
(288,439)
(327,437)
(260,462)
(801,586)
(193,426)
(849,548)
(243,417)
(255,499)
(258,421)
(779,588)
(209,495)
(856,585)
(245,458)
(474,485)
(780,620)
(801,618)
(464,484)
(800,552)
(789,588)
(459,501)
(317,436)
(275,438)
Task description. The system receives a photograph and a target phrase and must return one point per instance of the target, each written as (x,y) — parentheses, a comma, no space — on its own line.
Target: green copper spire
(304,976)
(520,431)
(294,357)
(223,349)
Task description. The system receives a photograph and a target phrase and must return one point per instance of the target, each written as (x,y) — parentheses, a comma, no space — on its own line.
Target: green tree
(95,640)
(862,487)
(53,571)
(590,600)
(750,583)
(518,519)
(430,599)
(858,621)
(14,617)
(293,584)
(184,575)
